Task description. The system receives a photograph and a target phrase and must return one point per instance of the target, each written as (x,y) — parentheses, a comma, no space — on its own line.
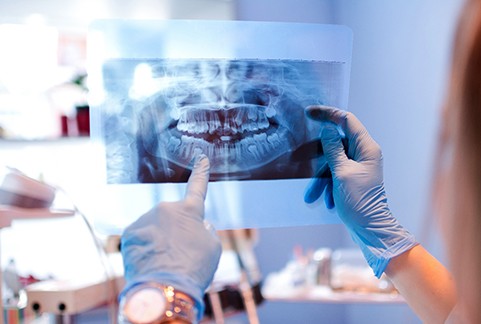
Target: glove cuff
(379,261)
(179,282)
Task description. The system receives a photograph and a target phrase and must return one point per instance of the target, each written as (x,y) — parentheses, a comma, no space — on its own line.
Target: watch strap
(179,306)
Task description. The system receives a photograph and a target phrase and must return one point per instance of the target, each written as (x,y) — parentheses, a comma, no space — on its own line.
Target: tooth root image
(246,115)
(239,117)
(174,144)
(274,140)
(262,121)
(175,114)
(252,114)
(254,150)
(270,112)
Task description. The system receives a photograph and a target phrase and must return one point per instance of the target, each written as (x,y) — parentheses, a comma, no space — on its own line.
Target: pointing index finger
(197,183)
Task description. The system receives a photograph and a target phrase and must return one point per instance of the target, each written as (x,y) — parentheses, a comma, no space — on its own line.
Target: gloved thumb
(197,183)
(332,145)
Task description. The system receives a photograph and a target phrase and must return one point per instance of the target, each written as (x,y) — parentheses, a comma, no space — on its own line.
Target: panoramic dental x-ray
(163,92)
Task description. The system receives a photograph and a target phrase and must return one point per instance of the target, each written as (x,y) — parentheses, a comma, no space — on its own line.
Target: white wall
(400,63)
(398,80)
(305,11)
(78,13)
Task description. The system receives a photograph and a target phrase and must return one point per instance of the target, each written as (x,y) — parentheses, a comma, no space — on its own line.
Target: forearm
(425,284)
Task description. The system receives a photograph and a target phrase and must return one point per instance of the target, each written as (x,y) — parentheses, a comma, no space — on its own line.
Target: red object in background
(64,125)
(25,281)
(83,120)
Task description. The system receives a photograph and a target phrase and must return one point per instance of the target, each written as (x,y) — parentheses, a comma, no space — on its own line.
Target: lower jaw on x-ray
(247,116)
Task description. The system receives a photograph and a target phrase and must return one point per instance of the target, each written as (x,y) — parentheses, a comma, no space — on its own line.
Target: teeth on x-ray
(274,140)
(252,147)
(248,118)
(270,112)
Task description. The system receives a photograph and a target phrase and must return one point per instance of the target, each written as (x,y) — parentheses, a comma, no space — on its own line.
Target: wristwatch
(152,303)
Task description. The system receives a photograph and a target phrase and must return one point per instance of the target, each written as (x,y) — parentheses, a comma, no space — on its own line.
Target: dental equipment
(22,197)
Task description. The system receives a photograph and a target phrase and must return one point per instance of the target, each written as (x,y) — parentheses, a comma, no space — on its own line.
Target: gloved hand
(357,188)
(171,245)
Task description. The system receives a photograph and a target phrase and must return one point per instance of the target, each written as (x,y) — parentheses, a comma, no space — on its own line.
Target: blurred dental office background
(400,63)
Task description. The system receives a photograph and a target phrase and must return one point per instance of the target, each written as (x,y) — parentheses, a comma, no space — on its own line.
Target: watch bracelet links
(181,306)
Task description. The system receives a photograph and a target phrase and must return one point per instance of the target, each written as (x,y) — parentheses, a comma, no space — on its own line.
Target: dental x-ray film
(163,92)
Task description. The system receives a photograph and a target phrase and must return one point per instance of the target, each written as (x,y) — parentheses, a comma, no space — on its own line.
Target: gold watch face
(145,306)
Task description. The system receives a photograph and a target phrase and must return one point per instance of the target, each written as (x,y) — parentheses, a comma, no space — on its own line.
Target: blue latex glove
(171,245)
(356,188)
